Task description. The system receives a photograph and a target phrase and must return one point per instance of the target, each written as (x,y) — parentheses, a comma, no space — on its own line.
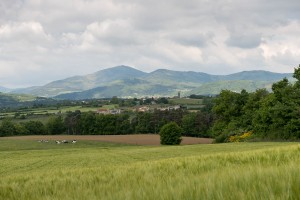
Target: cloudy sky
(46,40)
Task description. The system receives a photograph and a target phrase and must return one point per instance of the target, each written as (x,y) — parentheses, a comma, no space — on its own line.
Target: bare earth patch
(138,139)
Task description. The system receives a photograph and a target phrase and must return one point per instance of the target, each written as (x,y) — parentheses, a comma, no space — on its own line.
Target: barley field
(97,170)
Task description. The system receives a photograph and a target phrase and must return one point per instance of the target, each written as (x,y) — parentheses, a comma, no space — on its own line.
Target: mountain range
(124,81)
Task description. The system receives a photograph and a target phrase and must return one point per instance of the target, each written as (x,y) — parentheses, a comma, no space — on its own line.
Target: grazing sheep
(57,142)
(46,141)
(65,141)
(74,141)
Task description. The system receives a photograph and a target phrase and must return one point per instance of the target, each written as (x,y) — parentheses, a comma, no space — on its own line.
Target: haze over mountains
(4,89)
(124,81)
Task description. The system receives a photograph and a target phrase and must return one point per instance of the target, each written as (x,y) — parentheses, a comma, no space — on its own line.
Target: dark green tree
(72,121)
(35,127)
(189,124)
(20,129)
(143,123)
(55,126)
(114,100)
(7,128)
(229,113)
(170,134)
(88,123)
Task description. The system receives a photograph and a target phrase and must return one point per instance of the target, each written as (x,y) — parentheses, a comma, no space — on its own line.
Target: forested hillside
(259,114)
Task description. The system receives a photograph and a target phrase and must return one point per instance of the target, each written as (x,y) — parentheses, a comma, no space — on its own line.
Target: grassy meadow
(96,170)
(43,114)
(184,101)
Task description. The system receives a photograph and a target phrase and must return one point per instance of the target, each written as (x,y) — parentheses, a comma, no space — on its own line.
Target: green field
(94,170)
(184,101)
(55,110)
(43,114)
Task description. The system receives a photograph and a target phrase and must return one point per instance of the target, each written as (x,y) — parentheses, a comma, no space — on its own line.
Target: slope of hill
(126,88)
(234,85)
(12,100)
(81,83)
(125,81)
(169,76)
(256,75)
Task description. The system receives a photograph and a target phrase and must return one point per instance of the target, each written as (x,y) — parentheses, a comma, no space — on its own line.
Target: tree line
(90,123)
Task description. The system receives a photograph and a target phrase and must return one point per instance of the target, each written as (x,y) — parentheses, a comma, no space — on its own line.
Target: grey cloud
(56,39)
(9,10)
(244,40)
(190,38)
(287,57)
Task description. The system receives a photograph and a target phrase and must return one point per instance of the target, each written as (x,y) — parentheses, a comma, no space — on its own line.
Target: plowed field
(138,139)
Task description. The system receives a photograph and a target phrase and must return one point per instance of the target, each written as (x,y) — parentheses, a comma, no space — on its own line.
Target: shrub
(240,138)
(221,138)
(170,134)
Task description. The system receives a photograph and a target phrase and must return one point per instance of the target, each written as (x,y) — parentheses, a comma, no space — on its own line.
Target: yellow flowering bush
(240,138)
(246,135)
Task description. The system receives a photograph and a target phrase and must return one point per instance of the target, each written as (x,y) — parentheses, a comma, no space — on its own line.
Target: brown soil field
(137,139)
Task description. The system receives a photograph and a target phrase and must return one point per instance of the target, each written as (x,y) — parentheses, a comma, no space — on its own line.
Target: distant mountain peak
(120,67)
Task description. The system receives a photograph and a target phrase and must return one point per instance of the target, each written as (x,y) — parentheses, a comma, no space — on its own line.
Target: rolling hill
(128,88)
(124,81)
(14,100)
(81,83)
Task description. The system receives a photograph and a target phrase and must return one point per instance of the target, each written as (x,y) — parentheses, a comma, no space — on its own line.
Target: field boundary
(137,139)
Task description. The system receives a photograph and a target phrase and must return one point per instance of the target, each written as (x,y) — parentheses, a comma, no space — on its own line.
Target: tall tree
(7,128)
(72,121)
(55,125)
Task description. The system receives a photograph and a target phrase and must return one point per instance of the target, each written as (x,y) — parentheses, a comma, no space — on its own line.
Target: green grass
(187,101)
(42,118)
(51,110)
(93,170)
(43,114)
(113,106)
(64,109)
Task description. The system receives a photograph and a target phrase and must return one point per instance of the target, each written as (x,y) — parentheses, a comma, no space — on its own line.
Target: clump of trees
(170,134)
(268,115)
(9,128)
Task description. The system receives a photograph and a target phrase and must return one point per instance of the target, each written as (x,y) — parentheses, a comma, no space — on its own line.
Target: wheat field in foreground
(97,170)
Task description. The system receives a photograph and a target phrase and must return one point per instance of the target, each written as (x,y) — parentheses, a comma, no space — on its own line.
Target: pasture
(187,101)
(136,139)
(43,114)
(99,170)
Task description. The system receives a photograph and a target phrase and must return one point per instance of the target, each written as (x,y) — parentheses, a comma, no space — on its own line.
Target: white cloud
(31,32)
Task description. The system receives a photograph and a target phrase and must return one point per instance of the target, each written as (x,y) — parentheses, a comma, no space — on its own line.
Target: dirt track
(138,139)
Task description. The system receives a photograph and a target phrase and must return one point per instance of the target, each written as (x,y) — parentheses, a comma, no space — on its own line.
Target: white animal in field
(57,142)
(46,141)
(74,141)
(65,141)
